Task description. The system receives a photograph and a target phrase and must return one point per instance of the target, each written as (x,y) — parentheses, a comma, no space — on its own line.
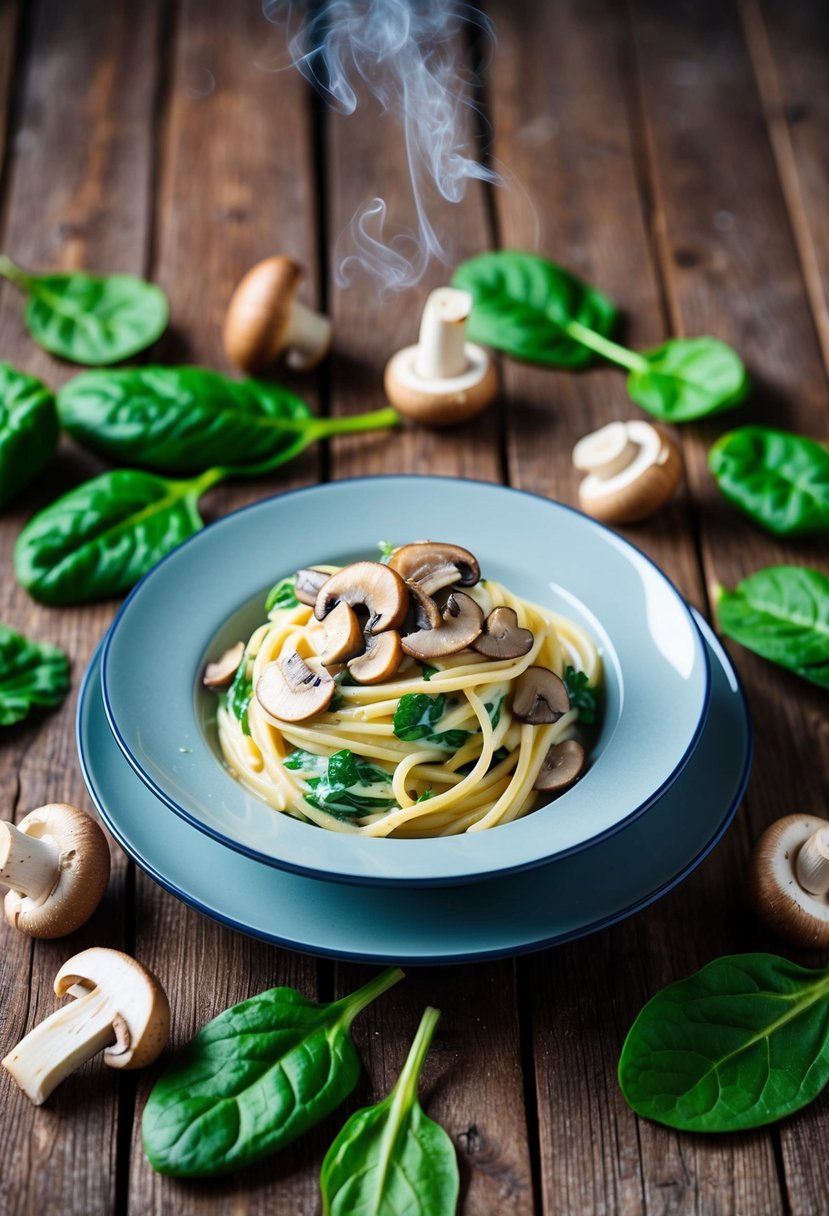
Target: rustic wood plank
(11,15)
(77,195)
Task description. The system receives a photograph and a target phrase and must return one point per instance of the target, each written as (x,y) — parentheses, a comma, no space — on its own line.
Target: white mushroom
(461,623)
(434,565)
(290,691)
(56,862)
(369,585)
(444,379)
(339,636)
(120,1009)
(790,879)
(632,470)
(381,659)
(264,318)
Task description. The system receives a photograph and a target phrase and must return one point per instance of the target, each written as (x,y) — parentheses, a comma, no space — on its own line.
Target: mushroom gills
(308,584)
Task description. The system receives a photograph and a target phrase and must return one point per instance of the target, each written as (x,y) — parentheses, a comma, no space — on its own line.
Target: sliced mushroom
(307,585)
(461,623)
(632,470)
(340,636)
(540,696)
(434,565)
(289,690)
(423,611)
(221,673)
(563,763)
(790,879)
(503,637)
(56,862)
(377,588)
(383,655)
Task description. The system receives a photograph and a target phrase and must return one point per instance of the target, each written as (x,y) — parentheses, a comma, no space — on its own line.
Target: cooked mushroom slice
(289,690)
(632,470)
(503,637)
(221,673)
(383,656)
(121,1009)
(340,635)
(563,763)
(307,585)
(461,623)
(376,587)
(540,696)
(434,565)
(56,862)
(264,318)
(790,879)
(423,611)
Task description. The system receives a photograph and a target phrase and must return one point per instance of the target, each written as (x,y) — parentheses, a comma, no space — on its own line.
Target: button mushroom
(434,565)
(540,696)
(340,636)
(264,318)
(444,379)
(289,690)
(632,470)
(120,1009)
(461,623)
(503,637)
(790,879)
(307,584)
(377,588)
(221,673)
(383,655)
(563,763)
(56,862)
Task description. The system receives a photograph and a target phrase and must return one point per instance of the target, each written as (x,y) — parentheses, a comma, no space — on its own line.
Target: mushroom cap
(220,673)
(376,587)
(142,1011)
(290,691)
(435,564)
(339,636)
(383,655)
(540,696)
(307,585)
(503,637)
(423,610)
(259,313)
(82,878)
(631,493)
(563,763)
(787,907)
(461,623)
(445,401)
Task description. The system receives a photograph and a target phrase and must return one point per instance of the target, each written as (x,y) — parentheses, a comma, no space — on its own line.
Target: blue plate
(565,899)
(210,592)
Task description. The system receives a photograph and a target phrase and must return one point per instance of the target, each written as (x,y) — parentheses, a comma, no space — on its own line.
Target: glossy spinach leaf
(344,785)
(391,1159)
(31,674)
(780,480)
(582,697)
(239,695)
(253,1079)
(416,716)
(688,378)
(781,613)
(524,305)
(94,319)
(28,429)
(282,594)
(100,538)
(743,1042)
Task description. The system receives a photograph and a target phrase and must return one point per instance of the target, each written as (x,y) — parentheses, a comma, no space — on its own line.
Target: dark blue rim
(479,956)
(371,880)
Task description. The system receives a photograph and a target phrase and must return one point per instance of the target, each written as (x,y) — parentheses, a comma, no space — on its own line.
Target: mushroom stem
(605,452)
(307,337)
(29,865)
(812,865)
(62,1043)
(441,351)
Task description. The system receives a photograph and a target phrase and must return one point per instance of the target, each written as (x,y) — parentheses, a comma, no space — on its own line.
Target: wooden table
(675,155)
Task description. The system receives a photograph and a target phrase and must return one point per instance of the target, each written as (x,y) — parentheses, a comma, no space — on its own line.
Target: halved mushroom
(377,588)
(563,763)
(289,690)
(120,1009)
(461,623)
(423,611)
(632,470)
(434,565)
(540,696)
(221,673)
(503,637)
(790,879)
(340,636)
(383,655)
(307,585)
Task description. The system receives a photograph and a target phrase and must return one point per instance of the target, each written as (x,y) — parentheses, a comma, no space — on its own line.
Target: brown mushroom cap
(423,611)
(340,636)
(383,655)
(307,585)
(540,696)
(220,673)
(446,401)
(435,565)
(786,856)
(503,637)
(461,623)
(82,864)
(291,692)
(630,481)
(377,588)
(260,311)
(563,763)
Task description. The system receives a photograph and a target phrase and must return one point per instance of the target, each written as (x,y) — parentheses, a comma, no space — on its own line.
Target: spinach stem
(406,1086)
(13,273)
(604,346)
(322,428)
(357,1001)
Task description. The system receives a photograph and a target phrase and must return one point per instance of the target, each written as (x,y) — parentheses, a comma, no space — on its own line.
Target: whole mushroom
(264,318)
(790,879)
(632,470)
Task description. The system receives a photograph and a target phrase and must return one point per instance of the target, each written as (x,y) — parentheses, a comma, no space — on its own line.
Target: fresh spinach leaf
(28,429)
(351,786)
(391,1159)
(94,319)
(582,697)
(688,378)
(386,549)
(778,479)
(300,761)
(31,674)
(741,1043)
(282,595)
(781,613)
(416,715)
(493,709)
(240,694)
(253,1079)
(427,672)
(426,795)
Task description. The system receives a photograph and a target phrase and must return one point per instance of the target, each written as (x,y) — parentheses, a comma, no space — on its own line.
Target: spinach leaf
(427,671)
(390,1159)
(185,419)
(300,761)
(253,1079)
(239,695)
(781,613)
(90,318)
(351,786)
(741,1043)
(282,595)
(778,479)
(386,549)
(101,537)
(31,673)
(688,378)
(523,304)
(582,697)
(28,429)
(415,716)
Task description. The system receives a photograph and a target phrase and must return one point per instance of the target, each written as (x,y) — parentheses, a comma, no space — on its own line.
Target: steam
(406,52)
